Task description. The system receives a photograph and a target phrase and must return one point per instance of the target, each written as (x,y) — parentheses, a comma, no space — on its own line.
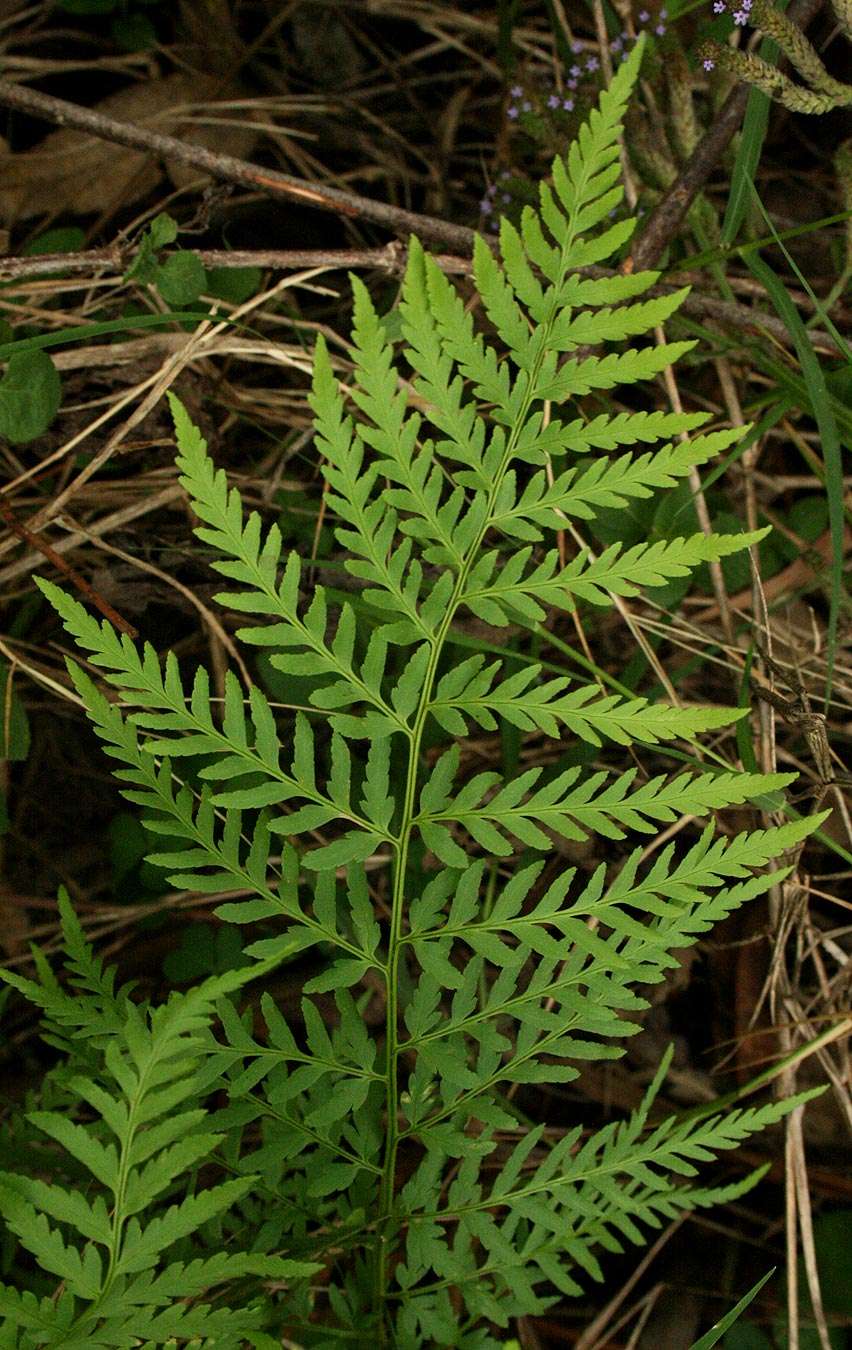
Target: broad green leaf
(30,394)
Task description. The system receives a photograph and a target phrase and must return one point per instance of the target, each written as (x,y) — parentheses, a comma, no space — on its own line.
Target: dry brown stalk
(62,566)
(231,169)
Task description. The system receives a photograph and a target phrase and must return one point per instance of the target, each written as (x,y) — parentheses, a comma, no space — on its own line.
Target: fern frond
(393,436)
(21,1309)
(155,1064)
(82,1273)
(68,1018)
(482,975)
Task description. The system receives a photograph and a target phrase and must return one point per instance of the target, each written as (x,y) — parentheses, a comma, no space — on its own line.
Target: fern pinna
(398,1163)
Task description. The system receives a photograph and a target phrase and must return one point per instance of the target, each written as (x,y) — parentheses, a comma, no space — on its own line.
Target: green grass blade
(81,332)
(824,414)
(755,123)
(717,1332)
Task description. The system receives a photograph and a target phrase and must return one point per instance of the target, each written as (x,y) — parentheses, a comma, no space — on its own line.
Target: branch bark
(232,170)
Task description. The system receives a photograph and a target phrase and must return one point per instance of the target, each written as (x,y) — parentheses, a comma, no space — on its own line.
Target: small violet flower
(486,206)
(660,29)
(574,71)
(592,63)
(568,104)
(617,43)
(741,17)
(709,63)
(516,91)
(576,48)
(571,84)
(719,7)
(643,16)
(512,113)
(553,101)
(526,105)
(505,198)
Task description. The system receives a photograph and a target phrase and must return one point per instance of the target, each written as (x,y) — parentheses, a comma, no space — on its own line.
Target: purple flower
(512,113)
(709,64)
(719,7)
(526,105)
(741,17)
(568,104)
(571,84)
(505,175)
(575,71)
(516,91)
(643,16)
(505,198)
(617,43)
(660,29)
(576,48)
(486,206)
(592,63)
(553,101)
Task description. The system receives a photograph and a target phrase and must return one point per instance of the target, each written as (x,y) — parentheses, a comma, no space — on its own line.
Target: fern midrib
(256,764)
(415,736)
(320,1139)
(659,1153)
(124,1168)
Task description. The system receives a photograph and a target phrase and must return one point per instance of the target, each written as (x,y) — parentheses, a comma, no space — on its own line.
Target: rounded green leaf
(30,394)
(236,284)
(180,279)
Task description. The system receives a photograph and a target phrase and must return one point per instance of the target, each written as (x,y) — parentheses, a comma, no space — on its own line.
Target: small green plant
(383,1183)
(180,276)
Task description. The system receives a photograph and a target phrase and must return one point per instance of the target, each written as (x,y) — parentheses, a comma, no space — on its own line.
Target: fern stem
(396,938)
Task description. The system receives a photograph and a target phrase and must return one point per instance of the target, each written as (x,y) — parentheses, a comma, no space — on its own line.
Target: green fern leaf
(433,982)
